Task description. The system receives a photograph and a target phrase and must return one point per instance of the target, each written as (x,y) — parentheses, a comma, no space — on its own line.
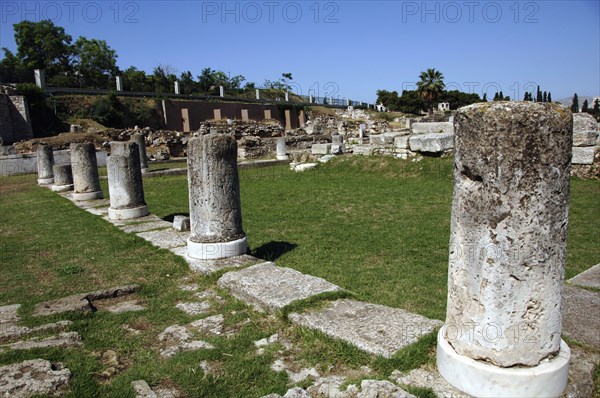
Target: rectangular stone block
(217,114)
(268,114)
(366,150)
(268,287)
(165,238)
(432,127)
(432,143)
(384,139)
(321,149)
(373,328)
(583,155)
(401,142)
(585,138)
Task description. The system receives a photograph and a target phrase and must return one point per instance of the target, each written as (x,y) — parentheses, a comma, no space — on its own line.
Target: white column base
(480,379)
(45,181)
(62,188)
(283,157)
(214,251)
(145,170)
(127,214)
(81,196)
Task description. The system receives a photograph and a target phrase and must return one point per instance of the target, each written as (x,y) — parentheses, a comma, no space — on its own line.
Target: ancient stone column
(281,149)
(63,178)
(125,184)
(502,336)
(214,189)
(45,161)
(85,172)
(337,144)
(141,141)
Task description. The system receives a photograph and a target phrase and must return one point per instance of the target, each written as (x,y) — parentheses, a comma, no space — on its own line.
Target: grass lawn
(376,226)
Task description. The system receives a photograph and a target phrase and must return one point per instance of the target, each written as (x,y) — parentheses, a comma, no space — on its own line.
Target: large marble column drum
(214,193)
(86,180)
(502,336)
(125,184)
(45,161)
(139,139)
(63,178)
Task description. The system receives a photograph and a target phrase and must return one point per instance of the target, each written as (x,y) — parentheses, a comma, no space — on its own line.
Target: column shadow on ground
(271,251)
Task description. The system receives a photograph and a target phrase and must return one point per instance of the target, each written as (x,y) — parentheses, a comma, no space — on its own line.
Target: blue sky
(348,49)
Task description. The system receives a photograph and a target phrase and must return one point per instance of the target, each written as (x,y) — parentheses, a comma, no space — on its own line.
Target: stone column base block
(215,251)
(128,214)
(81,196)
(45,181)
(481,379)
(62,188)
(146,170)
(284,157)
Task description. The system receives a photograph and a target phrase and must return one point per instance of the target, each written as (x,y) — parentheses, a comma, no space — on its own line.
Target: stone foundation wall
(15,123)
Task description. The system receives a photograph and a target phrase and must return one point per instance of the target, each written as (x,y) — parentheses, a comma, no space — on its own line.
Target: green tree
(545,97)
(584,106)
(430,86)
(539,97)
(163,79)
(549,96)
(484,97)
(575,104)
(43,45)
(187,83)
(596,110)
(135,80)
(95,62)
(458,99)
(12,69)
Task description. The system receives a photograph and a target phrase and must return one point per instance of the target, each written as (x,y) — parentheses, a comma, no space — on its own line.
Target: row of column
(214,188)
(502,336)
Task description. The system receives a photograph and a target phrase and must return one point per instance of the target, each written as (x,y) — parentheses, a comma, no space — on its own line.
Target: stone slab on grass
(33,377)
(373,328)
(211,266)
(588,278)
(145,226)
(98,211)
(166,238)
(75,303)
(82,301)
(268,287)
(90,204)
(9,314)
(62,340)
(12,331)
(580,315)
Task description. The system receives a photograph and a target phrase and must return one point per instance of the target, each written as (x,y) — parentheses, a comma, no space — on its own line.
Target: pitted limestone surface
(85,167)
(508,231)
(214,189)
(373,328)
(125,176)
(269,288)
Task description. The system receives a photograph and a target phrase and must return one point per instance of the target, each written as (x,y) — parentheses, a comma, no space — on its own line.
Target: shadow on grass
(171,217)
(271,251)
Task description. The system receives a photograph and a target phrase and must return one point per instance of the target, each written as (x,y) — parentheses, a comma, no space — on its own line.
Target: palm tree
(430,86)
